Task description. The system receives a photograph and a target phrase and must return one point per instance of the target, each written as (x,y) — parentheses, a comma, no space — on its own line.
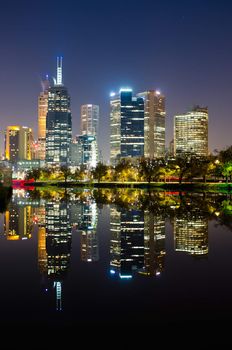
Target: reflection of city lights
(125,276)
(112,272)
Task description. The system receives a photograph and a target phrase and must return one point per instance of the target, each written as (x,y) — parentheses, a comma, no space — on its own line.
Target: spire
(59,71)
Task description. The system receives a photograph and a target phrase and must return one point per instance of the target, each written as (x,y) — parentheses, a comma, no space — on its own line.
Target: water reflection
(138,221)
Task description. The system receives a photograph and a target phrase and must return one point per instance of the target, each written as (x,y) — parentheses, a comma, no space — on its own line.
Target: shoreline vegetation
(195,186)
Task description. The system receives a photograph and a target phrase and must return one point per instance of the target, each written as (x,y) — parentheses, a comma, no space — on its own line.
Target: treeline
(186,167)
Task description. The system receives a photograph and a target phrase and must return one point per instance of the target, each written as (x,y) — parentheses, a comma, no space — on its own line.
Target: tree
(225,155)
(184,165)
(33,174)
(227,170)
(150,169)
(65,172)
(99,171)
(121,169)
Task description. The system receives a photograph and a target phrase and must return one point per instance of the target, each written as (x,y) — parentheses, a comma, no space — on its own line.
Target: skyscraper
(18,143)
(191,132)
(89,120)
(59,122)
(127,126)
(154,124)
(42,115)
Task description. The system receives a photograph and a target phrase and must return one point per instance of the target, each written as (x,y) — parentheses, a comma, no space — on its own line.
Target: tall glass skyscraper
(127,126)
(154,124)
(89,120)
(59,122)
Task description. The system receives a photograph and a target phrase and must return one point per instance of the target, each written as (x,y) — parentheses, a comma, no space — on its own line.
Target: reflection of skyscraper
(18,221)
(154,244)
(42,253)
(58,245)
(191,235)
(88,227)
(127,241)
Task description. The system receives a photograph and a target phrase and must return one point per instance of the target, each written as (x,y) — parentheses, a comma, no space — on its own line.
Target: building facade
(58,122)
(191,132)
(42,115)
(89,120)
(18,143)
(154,124)
(127,126)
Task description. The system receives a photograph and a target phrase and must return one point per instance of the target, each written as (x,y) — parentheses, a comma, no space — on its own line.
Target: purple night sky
(184,48)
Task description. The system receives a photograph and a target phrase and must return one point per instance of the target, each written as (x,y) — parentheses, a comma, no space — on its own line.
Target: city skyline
(188,62)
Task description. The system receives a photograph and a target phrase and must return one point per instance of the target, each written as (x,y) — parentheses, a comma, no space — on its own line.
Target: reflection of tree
(5,196)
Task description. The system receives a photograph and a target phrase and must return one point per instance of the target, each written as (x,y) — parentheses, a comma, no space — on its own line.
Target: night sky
(184,48)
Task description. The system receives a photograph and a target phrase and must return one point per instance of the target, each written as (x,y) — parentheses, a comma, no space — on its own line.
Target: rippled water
(72,257)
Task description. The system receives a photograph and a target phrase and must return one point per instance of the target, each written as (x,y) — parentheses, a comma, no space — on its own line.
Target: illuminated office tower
(127,242)
(154,124)
(58,122)
(18,143)
(89,237)
(154,244)
(89,120)
(126,126)
(58,245)
(42,115)
(191,234)
(191,132)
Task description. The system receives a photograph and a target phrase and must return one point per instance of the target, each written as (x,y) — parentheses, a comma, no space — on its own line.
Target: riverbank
(198,186)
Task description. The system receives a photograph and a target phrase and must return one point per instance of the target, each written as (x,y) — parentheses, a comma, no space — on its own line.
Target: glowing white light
(125,90)
(112,272)
(157,273)
(158,92)
(125,276)
(112,94)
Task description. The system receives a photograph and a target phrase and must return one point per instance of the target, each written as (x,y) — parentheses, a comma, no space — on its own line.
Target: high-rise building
(154,124)
(127,126)
(76,153)
(88,150)
(127,242)
(18,143)
(89,120)
(58,122)
(191,132)
(42,115)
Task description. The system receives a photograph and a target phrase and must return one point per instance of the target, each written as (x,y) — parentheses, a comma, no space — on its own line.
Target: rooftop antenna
(59,71)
